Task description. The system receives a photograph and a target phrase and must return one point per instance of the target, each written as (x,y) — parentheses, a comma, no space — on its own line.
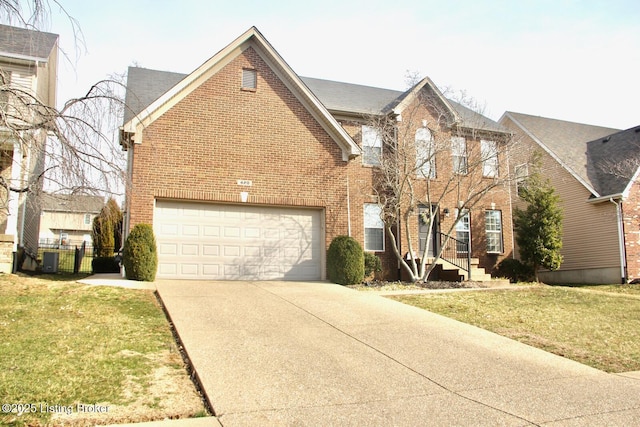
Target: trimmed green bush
(107,230)
(345,261)
(372,264)
(515,270)
(140,256)
(105,264)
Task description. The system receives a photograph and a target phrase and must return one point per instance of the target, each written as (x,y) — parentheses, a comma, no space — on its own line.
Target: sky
(564,59)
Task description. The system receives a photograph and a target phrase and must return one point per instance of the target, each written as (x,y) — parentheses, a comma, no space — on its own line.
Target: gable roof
(19,43)
(573,145)
(614,161)
(254,39)
(144,86)
(77,203)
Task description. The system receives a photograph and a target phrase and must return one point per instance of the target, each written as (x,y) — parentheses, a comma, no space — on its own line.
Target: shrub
(372,264)
(515,270)
(345,261)
(107,230)
(140,257)
(105,264)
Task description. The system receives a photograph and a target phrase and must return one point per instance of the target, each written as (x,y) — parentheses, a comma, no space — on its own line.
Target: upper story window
(425,153)
(5,83)
(522,173)
(489,153)
(87,219)
(249,79)
(371,146)
(459,154)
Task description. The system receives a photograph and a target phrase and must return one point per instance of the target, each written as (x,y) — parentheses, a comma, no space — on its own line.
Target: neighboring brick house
(248,171)
(67,219)
(594,171)
(28,64)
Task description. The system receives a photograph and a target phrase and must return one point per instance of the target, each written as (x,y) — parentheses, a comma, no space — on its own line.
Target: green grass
(62,343)
(600,328)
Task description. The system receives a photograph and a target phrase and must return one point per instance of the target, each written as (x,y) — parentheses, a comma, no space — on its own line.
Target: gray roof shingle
(145,86)
(78,203)
(19,42)
(614,160)
(581,149)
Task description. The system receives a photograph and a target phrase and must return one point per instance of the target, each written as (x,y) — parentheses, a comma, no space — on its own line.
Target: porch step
(453,273)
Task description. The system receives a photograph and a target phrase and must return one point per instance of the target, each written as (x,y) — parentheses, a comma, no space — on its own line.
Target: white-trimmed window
(425,153)
(249,79)
(87,219)
(463,231)
(459,154)
(493,227)
(522,173)
(371,146)
(373,228)
(489,152)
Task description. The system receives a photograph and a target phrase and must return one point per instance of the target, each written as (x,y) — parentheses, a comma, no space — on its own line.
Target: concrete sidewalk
(284,353)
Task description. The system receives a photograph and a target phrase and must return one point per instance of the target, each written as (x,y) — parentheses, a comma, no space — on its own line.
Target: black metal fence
(65,259)
(456,252)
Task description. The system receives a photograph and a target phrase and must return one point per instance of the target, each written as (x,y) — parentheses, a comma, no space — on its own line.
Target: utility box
(50,262)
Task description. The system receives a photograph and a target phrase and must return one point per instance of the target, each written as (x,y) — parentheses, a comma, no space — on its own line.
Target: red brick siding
(219,134)
(631,220)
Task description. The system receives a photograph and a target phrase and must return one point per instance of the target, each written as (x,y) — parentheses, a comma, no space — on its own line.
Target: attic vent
(249,79)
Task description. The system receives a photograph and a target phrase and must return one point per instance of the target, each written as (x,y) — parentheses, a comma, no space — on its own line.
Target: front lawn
(76,355)
(598,326)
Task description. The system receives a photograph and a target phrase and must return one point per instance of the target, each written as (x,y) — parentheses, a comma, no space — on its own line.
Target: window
(493,226)
(522,173)
(5,80)
(371,146)
(463,231)
(459,154)
(87,219)
(425,153)
(373,228)
(249,79)
(489,152)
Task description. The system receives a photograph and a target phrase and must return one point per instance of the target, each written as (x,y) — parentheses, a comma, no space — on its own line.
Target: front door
(424,225)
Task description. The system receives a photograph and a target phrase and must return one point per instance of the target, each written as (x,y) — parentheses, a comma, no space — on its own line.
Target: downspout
(623,258)
(348,206)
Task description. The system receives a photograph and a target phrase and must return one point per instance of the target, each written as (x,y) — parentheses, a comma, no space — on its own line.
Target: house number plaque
(245,183)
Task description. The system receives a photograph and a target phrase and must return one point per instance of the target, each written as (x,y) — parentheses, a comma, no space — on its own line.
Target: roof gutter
(609,198)
(26,58)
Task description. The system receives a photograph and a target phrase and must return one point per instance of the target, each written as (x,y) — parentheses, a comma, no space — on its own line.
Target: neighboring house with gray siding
(594,171)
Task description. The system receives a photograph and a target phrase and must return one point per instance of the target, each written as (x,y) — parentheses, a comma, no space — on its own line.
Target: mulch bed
(425,285)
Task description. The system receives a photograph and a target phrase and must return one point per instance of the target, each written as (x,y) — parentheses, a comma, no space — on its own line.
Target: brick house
(248,171)
(594,171)
(28,65)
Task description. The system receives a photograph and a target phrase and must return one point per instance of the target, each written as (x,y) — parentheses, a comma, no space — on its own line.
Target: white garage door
(237,242)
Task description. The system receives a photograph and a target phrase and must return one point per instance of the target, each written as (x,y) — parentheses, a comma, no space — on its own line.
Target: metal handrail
(455,252)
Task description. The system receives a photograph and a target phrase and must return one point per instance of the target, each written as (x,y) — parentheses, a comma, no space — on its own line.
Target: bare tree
(434,151)
(73,147)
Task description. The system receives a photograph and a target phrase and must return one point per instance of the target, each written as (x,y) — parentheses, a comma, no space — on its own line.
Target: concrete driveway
(287,353)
